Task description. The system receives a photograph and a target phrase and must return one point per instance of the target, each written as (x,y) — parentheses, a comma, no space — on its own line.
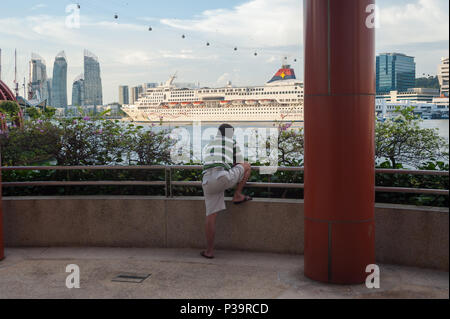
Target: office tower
(92,81)
(59,82)
(135,92)
(78,91)
(443,76)
(150,86)
(49,91)
(395,72)
(38,78)
(124,95)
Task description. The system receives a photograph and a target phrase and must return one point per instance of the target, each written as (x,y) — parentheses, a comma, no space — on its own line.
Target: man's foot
(243,199)
(238,197)
(203,253)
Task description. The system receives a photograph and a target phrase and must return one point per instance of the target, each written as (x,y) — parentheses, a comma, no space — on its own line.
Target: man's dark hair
(224,128)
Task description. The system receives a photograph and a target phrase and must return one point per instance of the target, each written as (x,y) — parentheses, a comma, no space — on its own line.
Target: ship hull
(292,113)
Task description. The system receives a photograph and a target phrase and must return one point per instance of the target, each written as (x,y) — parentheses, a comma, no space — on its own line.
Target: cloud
(38,6)
(135,58)
(114,26)
(130,54)
(223,79)
(421,21)
(257,23)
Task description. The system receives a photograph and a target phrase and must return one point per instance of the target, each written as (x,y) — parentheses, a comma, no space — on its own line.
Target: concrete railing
(405,235)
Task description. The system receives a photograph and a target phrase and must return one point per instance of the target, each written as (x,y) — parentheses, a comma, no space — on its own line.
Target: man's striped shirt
(222,152)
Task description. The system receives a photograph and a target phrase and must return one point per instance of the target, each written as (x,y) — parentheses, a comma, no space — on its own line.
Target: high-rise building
(395,72)
(49,91)
(59,81)
(38,78)
(78,91)
(124,95)
(150,86)
(135,92)
(443,77)
(92,81)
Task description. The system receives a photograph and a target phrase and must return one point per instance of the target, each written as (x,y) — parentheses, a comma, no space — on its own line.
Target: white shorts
(215,181)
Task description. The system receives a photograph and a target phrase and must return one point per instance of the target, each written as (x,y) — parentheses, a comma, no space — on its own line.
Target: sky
(130,54)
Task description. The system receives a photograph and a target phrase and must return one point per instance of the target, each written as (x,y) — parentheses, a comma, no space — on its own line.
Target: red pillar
(2,251)
(339,140)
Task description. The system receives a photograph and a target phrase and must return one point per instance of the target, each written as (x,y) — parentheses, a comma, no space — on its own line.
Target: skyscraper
(443,76)
(150,85)
(49,91)
(135,91)
(92,81)
(38,78)
(124,95)
(59,82)
(78,91)
(395,72)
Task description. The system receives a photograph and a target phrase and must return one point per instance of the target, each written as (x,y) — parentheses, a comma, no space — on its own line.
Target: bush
(9,108)
(38,141)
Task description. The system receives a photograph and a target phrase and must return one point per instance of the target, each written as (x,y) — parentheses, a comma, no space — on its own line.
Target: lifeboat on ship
(265,102)
(238,102)
(173,103)
(251,102)
(198,104)
(224,103)
(185,103)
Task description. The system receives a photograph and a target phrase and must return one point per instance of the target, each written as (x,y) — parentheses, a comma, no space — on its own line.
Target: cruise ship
(280,99)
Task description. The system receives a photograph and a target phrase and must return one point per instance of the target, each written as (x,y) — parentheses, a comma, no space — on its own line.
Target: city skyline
(130,54)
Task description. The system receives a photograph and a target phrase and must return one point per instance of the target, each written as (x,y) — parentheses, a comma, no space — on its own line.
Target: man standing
(224,167)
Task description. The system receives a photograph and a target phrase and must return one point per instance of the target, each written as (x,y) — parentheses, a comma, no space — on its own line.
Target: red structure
(2,250)
(8,95)
(339,140)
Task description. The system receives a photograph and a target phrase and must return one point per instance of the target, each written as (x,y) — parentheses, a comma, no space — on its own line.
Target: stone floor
(182,273)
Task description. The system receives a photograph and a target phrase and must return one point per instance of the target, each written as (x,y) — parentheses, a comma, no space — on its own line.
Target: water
(210,128)
(441,125)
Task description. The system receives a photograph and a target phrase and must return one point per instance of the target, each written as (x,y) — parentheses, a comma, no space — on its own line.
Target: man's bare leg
(238,196)
(210,234)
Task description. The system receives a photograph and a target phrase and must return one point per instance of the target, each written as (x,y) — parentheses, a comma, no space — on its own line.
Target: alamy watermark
(73,279)
(373,279)
(373,19)
(256,144)
(73,17)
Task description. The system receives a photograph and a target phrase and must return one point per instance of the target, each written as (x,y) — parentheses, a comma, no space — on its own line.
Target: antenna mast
(15,74)
(30,79)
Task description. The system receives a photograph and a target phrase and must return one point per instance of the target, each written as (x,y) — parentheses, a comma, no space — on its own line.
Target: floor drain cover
(129,277)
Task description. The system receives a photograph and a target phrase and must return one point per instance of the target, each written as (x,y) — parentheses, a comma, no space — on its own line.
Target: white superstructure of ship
(280,99)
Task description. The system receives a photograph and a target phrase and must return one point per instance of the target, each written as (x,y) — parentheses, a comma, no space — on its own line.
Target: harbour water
(209,129)
(441,125)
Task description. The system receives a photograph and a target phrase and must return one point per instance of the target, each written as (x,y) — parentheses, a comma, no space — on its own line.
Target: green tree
(33,112)
(402,140)
(153,147)
(9,108)
(36,142)
(291,145)
(431,82)
(49,112)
